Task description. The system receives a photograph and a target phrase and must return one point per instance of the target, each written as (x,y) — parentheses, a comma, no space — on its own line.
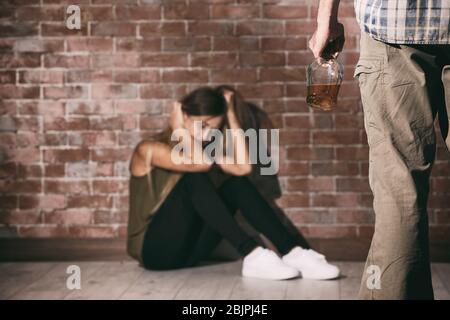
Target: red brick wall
(74,103)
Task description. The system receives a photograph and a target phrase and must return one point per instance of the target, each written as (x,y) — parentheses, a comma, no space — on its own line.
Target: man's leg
(445,114)
(398,88)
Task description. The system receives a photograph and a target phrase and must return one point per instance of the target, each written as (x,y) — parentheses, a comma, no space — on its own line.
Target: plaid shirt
(405,21)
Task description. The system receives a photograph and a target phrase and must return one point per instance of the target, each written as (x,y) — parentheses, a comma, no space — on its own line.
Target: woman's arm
(232,166)
(158,154)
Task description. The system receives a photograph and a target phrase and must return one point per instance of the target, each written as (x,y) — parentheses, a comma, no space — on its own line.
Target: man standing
(404,78)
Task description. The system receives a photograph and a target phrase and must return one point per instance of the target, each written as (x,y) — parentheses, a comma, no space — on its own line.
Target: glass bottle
(323,79)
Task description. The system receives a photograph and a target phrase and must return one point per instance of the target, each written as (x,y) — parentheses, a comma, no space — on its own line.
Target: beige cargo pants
(403,88)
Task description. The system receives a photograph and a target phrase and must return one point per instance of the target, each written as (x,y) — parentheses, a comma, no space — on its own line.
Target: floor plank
(156,285)
(4,266)
(252,289)
(210,282)
(126,280)
(52,285)
(14,277)
(306,289)
(350,279)
(108,282)
(441,280)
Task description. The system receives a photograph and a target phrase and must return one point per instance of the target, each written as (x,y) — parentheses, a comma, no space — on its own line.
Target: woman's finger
(228,95)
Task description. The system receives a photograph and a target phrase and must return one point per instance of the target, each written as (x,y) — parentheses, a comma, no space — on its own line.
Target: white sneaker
(311,264)
(265,264)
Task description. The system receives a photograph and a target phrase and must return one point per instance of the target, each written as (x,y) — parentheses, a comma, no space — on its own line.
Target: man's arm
(328,29)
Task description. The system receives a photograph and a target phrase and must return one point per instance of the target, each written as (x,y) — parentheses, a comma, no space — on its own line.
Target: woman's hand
(176,117)
(231,112)
(235,166)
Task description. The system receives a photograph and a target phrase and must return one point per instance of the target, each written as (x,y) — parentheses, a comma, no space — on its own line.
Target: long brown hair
(211,102)
(204,101)
(248,114)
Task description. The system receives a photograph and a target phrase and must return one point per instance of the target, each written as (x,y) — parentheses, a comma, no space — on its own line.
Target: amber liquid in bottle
(322,96)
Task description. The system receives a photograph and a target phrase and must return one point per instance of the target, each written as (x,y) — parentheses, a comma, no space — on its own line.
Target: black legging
(195,216)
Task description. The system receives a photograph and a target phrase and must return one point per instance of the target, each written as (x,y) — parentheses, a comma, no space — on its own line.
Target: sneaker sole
(306,275)
(249,274)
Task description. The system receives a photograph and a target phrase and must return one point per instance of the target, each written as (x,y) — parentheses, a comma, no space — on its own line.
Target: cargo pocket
(369,73)
(366,66)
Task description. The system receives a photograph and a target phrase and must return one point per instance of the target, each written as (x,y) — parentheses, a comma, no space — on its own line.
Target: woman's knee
(239,183)
(197,178)
(195,175)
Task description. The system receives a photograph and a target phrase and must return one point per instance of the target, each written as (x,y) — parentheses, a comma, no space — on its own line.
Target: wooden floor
(126,280)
